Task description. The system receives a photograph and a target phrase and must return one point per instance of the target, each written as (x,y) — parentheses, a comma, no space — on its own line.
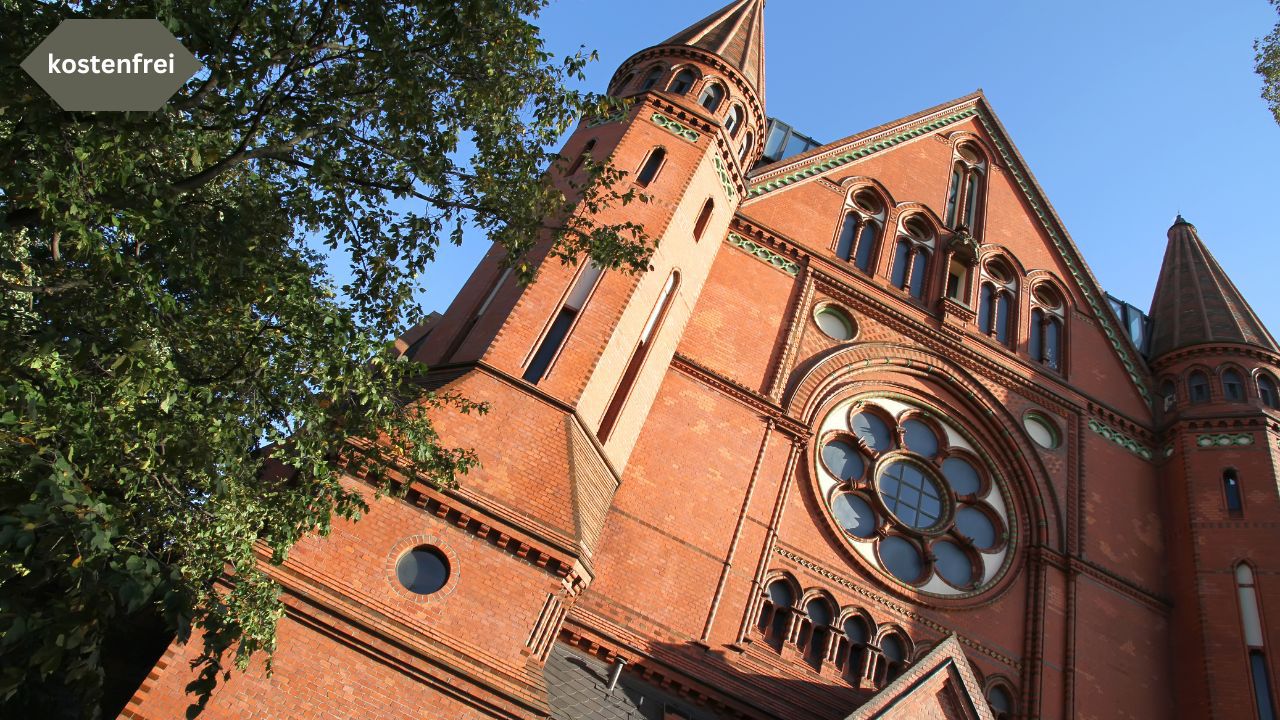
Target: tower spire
(1195,303)
(735,33)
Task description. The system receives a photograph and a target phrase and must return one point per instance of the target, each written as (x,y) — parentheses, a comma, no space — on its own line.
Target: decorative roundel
(913,497)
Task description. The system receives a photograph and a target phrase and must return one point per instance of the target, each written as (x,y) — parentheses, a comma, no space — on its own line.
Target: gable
(802,199)
(940,685)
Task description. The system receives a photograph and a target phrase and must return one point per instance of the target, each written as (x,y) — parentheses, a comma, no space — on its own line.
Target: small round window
(1041,430)
(423,570)
(834,323)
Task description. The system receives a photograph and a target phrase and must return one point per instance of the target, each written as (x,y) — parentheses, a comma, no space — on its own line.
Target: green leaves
(1268,66)
(178,378)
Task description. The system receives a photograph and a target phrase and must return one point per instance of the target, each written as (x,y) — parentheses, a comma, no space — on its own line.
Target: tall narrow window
(901,258)
(582,157)
(818,617)
(651,166)
(1044,341)
(747,145)
(1251,621)
(1231,493)
(895,654)
(860,231)
(958,274)
(1169,395)
(704,217)
(623,391)
(683,82)
(911,256)
(733,122)
(775,613)
(560,327)
(1267,392)
(475,316)
(1232,386)
(965,191)
(1198,387)
(998,302)
(856,635)
(651,78)
(712,96)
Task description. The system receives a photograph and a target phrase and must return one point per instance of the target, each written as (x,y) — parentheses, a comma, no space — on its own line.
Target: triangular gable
(819,161)
(939,685)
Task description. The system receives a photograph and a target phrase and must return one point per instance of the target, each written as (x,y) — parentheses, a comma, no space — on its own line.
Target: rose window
(912,497)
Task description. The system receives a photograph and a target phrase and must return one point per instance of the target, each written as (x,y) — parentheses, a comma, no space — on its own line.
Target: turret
(598,342)
(1216,367)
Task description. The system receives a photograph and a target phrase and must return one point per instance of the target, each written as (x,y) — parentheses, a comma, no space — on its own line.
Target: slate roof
(735,33)
(1195,303)
(577,690)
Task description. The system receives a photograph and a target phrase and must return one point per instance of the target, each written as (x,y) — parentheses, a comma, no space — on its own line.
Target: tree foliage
(1268,66)
(166,327)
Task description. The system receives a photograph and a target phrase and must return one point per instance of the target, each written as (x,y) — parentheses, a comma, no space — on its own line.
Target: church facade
(867,441)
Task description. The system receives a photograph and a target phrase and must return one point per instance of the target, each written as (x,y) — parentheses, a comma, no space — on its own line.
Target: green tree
(1268,66)
(165,326)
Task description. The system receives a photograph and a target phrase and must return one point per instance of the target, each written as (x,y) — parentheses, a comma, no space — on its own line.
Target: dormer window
(683,82)
(964,195)
(712,96)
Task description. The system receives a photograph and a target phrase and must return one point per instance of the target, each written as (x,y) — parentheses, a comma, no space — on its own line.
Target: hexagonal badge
(111,65)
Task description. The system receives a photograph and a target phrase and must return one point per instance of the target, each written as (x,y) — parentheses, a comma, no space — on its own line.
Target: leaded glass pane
(901,558)
(962,476)
(975,525)
(873,431)
(842,459)
(911,495)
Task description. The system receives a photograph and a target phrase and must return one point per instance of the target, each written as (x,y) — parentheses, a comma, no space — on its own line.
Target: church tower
(1216,367)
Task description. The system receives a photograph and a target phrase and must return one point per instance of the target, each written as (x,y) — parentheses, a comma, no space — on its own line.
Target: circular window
(913,497)
(423,570)
(1041,430)
(834,323)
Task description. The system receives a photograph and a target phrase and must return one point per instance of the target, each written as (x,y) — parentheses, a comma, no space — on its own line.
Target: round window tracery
(913,498)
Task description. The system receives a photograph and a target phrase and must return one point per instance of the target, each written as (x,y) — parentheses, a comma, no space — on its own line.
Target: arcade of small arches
(918,240)
(869,656)
(1200,384)
(711,93)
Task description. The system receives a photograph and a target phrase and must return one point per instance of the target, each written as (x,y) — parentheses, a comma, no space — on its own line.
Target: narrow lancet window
(632,371)
(563,323)
(649,171)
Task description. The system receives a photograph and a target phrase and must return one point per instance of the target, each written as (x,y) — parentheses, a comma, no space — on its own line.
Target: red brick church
(867,441)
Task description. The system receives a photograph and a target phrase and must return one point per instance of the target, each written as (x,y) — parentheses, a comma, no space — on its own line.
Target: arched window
(1168,395)
(861,230)
(733,123)
(704,216)
(683,82)
(1047,320)
(853,660)
(1198,387)
(1267,392)
(712,96)
(582,157)
(1001,700)
(623,84)
(1231,493)
(998,302)
(1251,621)
(817,633)
(651,78)
(964,193)
(911,256)
(632,370)
(745,151)
(895,654)
(1232,386)
(649,171)
(775,613)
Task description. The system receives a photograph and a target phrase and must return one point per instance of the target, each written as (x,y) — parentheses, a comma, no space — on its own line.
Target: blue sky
(1127,112)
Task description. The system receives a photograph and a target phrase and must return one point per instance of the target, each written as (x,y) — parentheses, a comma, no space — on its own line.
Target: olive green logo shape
(111,65)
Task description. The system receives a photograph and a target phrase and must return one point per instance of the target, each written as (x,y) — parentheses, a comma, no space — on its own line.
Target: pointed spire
(736,34)
(1196,303)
